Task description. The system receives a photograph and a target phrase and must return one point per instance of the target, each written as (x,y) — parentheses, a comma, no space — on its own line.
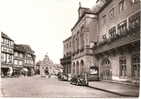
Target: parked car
(79,80)
(62,76)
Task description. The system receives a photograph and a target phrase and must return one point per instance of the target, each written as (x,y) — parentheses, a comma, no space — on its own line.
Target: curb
(124,95)
(133,85)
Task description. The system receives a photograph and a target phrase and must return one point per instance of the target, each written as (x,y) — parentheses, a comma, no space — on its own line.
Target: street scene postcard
(70,49)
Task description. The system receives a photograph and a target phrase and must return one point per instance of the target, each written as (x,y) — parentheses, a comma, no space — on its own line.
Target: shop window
(123,67)
(135,66)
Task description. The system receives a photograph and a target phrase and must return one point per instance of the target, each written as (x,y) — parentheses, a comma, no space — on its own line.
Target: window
(111,13)
(134,21)
(31,61)
(70,44)
(134,2)
(20,62)
(2,40)
(16,62)
(122,27)
(67,45)
(112,32)
(104,20)
(9,58)
(136,66)
(10,50)
(81,40)
(12,43)
(16,54)
(123,69)
(21,55)
(121,5)
(29,55)
(8,43)
(3,57)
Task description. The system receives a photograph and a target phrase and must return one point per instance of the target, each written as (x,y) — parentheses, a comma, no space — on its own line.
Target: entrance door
(106,72)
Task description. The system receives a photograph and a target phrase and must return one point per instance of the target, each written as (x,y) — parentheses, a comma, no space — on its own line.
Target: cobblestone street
(46,87)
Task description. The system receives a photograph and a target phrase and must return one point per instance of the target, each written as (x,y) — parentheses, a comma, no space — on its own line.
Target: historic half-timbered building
(7,47)
(15,57)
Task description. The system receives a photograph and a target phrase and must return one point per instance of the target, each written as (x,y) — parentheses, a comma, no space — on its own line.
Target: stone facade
(66,60)
(108,36)
(83,35)
(118,47)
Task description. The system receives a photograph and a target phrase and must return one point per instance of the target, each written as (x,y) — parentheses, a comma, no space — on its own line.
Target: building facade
(117,51)
(7,51)
(108,36)
(46,66)
(24,58)
(83,38)
(18,59)
(66,60)
(15,57)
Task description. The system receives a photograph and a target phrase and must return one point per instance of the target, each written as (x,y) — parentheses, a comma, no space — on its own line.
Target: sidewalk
(115,88)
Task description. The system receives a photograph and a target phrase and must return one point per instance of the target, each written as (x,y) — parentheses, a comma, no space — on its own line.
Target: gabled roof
(86,11)
(23,48)
(3,35)
(67,39)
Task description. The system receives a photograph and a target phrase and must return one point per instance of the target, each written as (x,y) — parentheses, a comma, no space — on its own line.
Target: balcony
(121,39)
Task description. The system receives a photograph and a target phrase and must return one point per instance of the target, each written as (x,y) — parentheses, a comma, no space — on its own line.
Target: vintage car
(79,80)
(62,77)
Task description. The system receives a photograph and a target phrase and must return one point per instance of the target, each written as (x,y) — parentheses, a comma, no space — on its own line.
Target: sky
(42,24)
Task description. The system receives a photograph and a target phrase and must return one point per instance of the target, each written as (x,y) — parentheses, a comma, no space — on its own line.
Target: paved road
(47,87)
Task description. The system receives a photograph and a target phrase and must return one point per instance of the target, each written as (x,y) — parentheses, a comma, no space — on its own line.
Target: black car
(62,76)
(79,81)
